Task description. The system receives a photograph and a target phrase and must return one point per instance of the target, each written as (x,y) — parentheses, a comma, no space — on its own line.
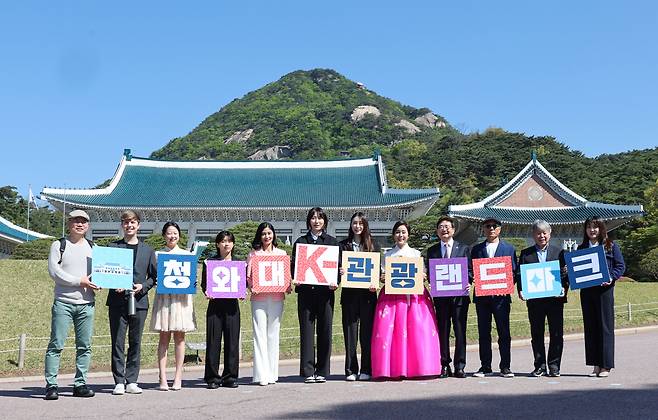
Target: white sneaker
(351,378)
(320,379)
(133,389)
(310,380)
(364,377)
(119,389)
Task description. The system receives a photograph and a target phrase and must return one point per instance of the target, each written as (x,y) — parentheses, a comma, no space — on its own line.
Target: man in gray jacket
(69,264)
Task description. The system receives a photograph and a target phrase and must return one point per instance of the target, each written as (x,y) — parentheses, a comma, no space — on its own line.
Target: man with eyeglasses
(452,308)
(497,306)
(69,265)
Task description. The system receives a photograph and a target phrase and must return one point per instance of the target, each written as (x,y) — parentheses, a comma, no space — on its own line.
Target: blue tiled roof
(566,215)
(10,230)
(145,183)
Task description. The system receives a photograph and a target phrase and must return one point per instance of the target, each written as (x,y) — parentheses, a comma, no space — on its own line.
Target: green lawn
(29,294)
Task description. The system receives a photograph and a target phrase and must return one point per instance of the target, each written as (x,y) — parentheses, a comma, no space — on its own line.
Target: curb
(287,362)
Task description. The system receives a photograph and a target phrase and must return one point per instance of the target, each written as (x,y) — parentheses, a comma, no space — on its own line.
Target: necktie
(446,251)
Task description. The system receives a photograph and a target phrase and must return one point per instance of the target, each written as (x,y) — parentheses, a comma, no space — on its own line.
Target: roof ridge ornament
(127,153)
(534,156)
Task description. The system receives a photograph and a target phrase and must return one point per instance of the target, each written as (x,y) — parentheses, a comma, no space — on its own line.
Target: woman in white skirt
(172,314)
(266,310)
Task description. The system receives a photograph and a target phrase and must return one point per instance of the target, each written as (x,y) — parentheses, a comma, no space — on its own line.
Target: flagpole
(64,213)
(29,199)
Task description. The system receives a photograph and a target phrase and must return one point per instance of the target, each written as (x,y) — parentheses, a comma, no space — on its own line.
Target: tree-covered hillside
(313,114)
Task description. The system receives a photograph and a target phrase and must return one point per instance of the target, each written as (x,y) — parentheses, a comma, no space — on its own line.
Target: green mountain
(320,114)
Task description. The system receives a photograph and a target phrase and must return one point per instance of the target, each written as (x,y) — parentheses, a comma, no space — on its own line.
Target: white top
(449,245)
(491,248)
(406,251)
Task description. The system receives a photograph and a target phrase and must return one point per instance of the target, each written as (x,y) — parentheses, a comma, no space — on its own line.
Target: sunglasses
(491,226)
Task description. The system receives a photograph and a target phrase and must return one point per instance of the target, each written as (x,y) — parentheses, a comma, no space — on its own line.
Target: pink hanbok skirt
(405,341)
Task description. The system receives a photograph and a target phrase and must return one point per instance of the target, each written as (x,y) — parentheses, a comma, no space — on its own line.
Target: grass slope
(29,294)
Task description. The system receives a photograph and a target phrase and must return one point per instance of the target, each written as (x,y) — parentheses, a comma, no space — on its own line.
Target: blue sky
(82,80)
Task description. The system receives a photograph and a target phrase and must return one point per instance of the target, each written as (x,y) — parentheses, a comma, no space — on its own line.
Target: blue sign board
(176,274)
(541,280)
(112,268)
(587,267)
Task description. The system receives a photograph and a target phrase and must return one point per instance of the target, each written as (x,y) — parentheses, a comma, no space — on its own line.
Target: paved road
(630,392)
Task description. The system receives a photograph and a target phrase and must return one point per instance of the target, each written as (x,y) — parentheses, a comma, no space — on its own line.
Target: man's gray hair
(541,225)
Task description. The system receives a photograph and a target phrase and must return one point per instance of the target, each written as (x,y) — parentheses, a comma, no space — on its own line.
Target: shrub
(649,265)
(33,250)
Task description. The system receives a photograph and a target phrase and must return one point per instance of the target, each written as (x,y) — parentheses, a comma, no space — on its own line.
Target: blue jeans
(63,315)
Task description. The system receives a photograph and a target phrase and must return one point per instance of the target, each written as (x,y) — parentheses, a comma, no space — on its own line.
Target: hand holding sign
(316,265)
(404,276)
(270,273)
(587,268)
(448,277)
(493,276)
(226,279)
(176,274)
(360,270)
(540,280)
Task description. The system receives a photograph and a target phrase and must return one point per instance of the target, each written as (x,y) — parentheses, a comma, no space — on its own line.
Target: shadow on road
(600,404)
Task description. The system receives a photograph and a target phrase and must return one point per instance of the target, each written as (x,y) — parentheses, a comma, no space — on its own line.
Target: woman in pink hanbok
(405,341)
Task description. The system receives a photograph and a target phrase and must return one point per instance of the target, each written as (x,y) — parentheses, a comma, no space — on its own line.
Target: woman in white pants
(266,310)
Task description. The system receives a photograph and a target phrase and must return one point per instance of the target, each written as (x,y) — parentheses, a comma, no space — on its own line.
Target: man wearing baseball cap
(497,306)
(69,265)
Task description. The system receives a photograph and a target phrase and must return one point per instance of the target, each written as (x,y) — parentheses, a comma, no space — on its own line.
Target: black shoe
(459,373)
(445,372)
(212,385)
(230,384)
(506,373)
(554,373)
(83,391)
(540,371)
(482,372)
(51,393)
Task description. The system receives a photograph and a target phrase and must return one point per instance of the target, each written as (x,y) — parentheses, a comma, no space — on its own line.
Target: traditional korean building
(204,197)
(536,194)
(12,235)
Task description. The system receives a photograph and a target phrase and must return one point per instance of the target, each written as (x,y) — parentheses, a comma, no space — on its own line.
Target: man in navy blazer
(497,306)
(451,308)
(551,308)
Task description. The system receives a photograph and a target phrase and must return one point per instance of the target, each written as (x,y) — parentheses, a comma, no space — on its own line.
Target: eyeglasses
(444,227)
(491,226)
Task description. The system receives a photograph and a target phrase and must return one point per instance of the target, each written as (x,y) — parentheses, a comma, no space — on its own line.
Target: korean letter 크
(360,270)
(587,267)
(226,279)
(404,276)
(176,274)
(448,277)
(493,276)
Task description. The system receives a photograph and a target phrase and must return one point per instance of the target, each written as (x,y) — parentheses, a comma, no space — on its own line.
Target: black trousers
(222,321)
(358,313)
(540,310)
(499,308)
(315,309)
(452,310)
(598,304)
(126,369)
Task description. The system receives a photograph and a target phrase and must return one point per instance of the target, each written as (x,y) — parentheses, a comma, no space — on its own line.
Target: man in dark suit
(551,308)
(451,309)
(497,306)
(126,370)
